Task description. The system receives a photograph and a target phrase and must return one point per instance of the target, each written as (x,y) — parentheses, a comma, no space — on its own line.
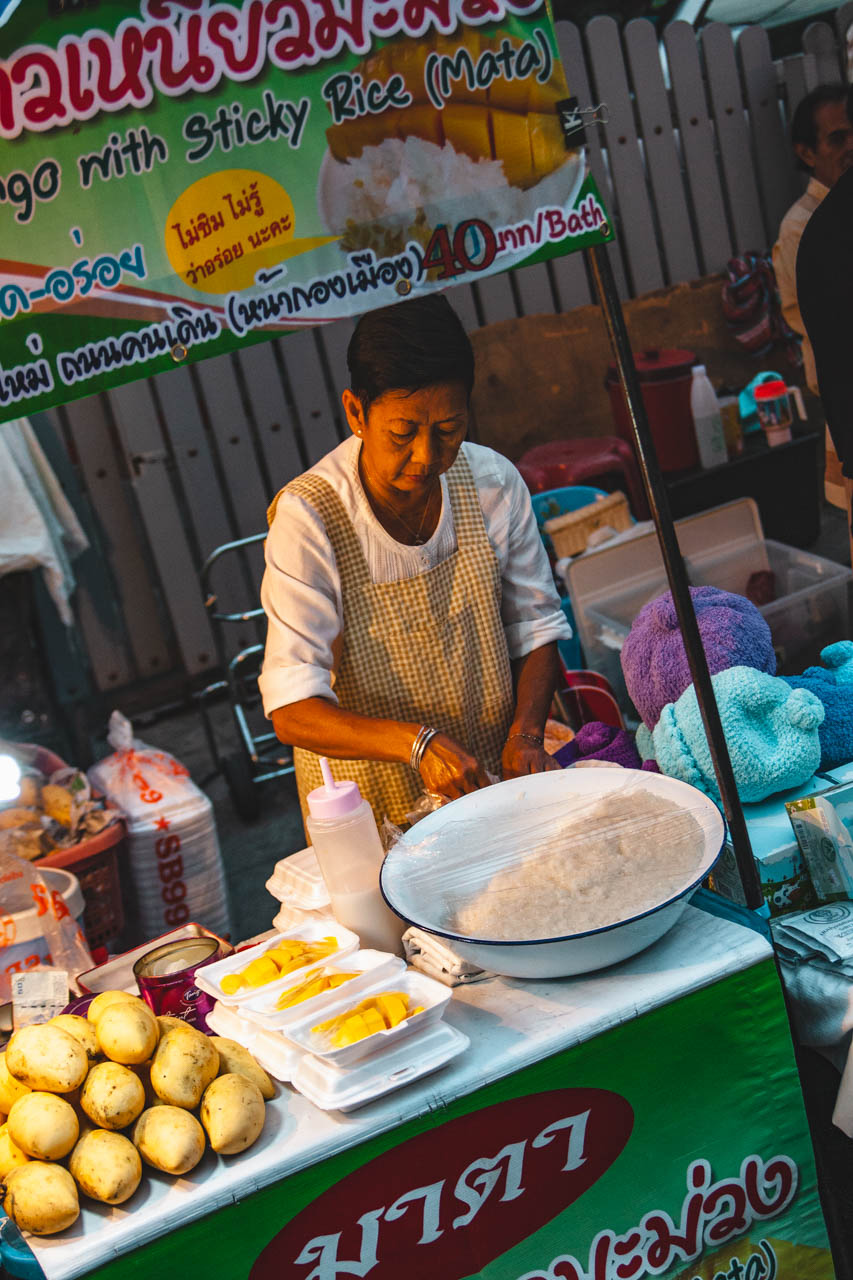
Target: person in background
(824,283)
(413,619)
(822,139)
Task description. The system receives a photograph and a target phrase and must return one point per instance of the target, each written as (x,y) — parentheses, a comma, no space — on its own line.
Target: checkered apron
(429,649)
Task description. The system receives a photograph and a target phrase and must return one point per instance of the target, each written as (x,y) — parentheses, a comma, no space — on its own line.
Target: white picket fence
(694,165)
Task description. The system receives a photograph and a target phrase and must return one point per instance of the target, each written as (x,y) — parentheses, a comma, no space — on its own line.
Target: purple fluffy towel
(654,660)
(598,741)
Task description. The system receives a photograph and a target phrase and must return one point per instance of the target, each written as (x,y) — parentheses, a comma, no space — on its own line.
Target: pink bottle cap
(334,799)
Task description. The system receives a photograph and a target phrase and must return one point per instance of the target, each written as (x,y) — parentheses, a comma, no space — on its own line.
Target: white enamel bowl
(517,800)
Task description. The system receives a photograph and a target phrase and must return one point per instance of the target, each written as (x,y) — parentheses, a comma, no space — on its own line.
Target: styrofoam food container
(434,997)
(297,917)
(298,881)
(211,975)
(333,1089)
(517,800)
(278,1057)
(228,1020)
(372,967)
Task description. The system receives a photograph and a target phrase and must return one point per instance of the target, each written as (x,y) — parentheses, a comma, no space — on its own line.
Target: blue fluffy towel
(771,732)
(833,685)
(839,658)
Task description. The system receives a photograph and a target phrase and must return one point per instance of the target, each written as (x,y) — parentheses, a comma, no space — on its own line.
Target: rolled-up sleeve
(530,605)
(300,593)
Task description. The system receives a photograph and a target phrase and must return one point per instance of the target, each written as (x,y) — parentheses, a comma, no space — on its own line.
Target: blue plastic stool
(556,502)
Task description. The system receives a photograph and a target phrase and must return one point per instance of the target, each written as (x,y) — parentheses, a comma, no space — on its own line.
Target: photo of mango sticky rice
(478,118)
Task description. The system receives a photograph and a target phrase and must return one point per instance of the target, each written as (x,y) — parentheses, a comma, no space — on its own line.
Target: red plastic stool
(584,461)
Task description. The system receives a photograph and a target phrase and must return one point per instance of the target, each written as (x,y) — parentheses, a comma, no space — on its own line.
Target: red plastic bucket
(665,376)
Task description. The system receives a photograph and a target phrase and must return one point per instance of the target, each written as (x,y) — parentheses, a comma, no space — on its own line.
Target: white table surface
(511,1024)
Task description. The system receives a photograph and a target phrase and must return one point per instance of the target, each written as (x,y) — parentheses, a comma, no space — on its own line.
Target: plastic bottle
(344,836)
(707,420)
(732,430)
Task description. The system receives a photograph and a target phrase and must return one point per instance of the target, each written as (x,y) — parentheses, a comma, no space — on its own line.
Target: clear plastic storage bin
(722,548)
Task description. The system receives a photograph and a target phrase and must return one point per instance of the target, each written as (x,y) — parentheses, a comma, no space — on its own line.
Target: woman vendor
(412,614)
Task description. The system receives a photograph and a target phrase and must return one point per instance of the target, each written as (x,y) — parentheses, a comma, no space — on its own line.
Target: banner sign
(673,1146)
(182,177)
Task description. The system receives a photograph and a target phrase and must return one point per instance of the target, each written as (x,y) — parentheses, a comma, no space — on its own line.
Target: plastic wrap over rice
(553,869)
(624,855)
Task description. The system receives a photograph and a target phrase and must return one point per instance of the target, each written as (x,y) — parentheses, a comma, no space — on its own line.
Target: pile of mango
(374,1013)
(513,121)
(86,1100)
(285,957)
(316,984)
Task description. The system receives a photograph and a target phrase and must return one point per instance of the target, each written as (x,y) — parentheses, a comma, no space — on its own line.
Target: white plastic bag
(22,887)
(174,853)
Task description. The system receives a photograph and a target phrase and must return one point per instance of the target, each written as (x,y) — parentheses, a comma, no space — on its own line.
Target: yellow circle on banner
(226,227)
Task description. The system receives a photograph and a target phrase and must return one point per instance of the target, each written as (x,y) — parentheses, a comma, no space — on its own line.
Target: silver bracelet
(419,746)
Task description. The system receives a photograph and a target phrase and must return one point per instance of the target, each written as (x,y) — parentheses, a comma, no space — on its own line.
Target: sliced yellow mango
(544,97)
(373,1020)
(285,957)
(374,1013)
(512,147)
(420,121)
(351,137)
(392,1009)
(312,986)
(371,1000)
(546,142)
(378,65)
(467,130)
(352,1029)
(262,969)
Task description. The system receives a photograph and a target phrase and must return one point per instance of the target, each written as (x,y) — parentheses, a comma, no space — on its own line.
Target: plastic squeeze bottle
(344,836)
(707,420)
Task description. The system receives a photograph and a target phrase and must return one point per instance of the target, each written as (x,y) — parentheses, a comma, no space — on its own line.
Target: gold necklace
(413,533)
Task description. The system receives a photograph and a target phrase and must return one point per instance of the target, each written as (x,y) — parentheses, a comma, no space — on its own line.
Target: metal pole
(675,572)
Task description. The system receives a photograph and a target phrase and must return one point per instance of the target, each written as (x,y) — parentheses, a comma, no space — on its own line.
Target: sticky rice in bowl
(557,873)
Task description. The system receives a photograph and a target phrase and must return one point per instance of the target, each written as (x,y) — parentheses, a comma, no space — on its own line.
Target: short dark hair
(408,346)
(803,126)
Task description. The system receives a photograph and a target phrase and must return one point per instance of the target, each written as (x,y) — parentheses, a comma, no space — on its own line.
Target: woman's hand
(521,757)
(447,769)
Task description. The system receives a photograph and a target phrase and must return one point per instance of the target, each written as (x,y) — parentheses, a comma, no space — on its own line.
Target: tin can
(166,979)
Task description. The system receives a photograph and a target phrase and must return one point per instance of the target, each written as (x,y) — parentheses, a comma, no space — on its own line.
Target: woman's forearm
(535,678)
(323,727)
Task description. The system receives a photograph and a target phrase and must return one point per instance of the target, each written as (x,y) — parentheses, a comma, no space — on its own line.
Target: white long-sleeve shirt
(785,265)
(301,592)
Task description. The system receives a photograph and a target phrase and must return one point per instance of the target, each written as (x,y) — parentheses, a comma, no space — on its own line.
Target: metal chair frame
(262,757)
